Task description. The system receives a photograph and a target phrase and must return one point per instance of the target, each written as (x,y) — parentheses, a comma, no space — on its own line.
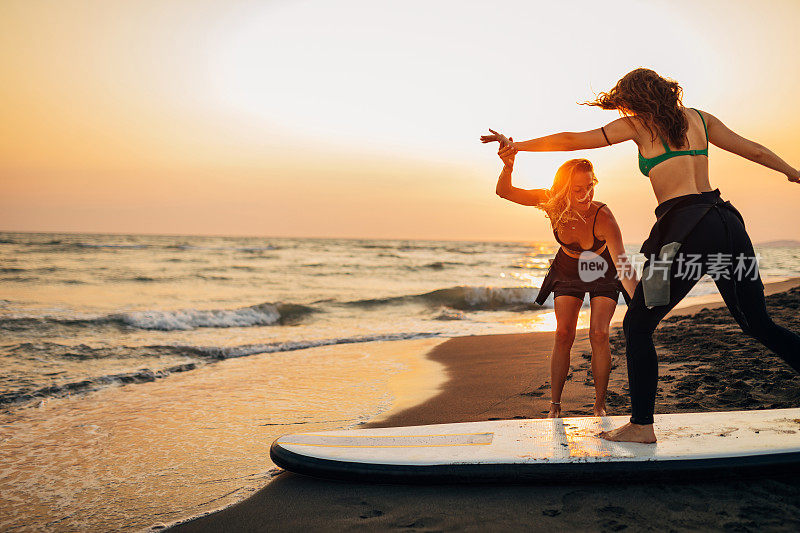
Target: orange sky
(361,119)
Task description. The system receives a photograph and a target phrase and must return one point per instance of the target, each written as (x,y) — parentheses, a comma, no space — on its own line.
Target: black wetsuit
(705,226)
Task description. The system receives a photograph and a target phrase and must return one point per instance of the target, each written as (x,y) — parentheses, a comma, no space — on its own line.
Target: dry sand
(706,363)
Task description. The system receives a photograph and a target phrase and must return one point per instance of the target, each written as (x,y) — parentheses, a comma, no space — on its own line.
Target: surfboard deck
(540,449)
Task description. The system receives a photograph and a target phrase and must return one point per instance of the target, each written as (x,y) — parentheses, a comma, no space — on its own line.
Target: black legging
(709,237)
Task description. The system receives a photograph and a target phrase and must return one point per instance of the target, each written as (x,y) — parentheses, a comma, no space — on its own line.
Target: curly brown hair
(656,101)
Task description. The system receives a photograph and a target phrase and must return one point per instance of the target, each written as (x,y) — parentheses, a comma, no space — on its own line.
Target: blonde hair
(558,207)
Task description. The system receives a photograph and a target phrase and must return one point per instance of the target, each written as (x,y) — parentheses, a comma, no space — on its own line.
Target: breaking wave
(264,314)
(465,298)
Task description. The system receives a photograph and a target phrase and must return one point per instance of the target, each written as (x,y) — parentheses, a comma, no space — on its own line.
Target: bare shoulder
(636,123)
(622,129)
(707,117)
(604,214)
(638,131)
(602,208)
(606,225)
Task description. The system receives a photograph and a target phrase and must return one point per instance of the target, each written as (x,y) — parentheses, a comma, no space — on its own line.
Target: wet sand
(706,363)
(126,457)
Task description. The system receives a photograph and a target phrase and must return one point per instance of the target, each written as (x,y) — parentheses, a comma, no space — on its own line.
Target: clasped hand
(507,151)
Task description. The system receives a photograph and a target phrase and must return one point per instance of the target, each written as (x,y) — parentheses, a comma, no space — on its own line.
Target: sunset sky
(362,118)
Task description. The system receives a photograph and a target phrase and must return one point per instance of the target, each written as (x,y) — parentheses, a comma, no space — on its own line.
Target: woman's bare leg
(602,311)
(567,309)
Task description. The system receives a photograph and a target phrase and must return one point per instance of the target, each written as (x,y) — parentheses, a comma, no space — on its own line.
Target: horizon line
(320,237)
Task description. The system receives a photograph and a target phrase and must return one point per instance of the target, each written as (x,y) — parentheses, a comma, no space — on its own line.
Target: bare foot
(555,410)
(599,410)
(631,433)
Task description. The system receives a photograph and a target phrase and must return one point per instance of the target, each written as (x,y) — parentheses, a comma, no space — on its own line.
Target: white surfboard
(506,450)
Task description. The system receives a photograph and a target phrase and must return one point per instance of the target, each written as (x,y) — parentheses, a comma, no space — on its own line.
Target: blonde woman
(590,238)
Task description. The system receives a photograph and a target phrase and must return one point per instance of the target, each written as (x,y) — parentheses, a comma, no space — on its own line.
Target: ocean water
(82,311)
(144,376)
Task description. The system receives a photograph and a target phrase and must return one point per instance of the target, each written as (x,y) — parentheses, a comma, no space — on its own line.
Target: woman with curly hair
(696,232)
(588,235)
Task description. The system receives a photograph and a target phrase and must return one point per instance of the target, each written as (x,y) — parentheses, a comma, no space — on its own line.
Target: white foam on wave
(464,297)
(227,352)
(478,296)
(471,297)
(269,247)
(91,245)
(186,319)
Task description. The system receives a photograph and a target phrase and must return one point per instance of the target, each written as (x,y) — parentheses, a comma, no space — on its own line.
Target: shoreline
(131,457)
(490,376)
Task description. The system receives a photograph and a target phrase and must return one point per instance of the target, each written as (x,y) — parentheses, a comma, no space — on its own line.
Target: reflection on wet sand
(127,457)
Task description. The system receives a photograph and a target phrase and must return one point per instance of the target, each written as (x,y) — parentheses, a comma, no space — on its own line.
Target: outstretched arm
(614,132)
(608,230)
(720,135)
(509,192)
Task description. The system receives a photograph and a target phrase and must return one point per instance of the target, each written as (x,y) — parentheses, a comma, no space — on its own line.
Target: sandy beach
(706,363)
(226,222)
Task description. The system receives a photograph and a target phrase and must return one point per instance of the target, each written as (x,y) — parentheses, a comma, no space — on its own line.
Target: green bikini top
(646,164)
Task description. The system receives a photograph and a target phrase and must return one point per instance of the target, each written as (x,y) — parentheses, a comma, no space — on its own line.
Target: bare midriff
(680,176)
